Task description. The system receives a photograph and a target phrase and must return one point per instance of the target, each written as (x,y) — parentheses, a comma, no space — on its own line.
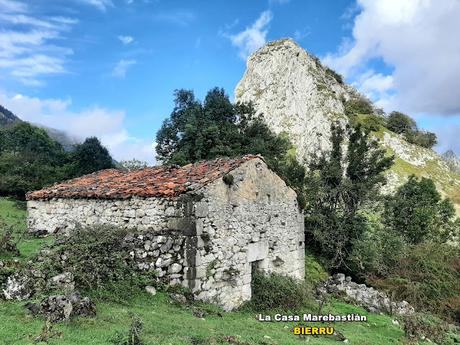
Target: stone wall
(160,227)
(253,222)
(153,214)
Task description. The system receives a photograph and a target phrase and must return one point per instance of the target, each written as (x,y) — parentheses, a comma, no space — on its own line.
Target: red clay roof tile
(162,181)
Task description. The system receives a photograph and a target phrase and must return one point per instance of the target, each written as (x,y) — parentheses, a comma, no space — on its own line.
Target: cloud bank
(418,40)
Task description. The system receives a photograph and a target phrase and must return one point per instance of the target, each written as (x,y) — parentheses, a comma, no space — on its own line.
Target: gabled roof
(162,181)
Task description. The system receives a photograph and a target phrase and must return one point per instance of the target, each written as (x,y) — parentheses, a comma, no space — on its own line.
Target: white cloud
(28,49)
(101,5)
(12,6)
(418,39)
(126,39)
(253,37)
(106,124)
(181,18)
(120,69)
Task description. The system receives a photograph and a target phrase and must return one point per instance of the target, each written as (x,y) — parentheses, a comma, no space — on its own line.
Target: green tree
(90,156)
(422,138)
(133,164)
(418,212)
(217,128)
(29,159)
(339,187)
(401,123)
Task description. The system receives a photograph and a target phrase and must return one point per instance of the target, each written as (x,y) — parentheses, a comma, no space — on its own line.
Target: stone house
(205,225)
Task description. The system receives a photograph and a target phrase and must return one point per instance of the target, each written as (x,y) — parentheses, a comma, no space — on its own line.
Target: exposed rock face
(295,94)
(366,297)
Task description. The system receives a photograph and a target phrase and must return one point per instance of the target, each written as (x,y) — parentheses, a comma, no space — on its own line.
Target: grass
(12,215)
(167,323)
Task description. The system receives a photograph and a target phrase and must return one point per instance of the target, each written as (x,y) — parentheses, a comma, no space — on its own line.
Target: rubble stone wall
(160,227)
(253,222)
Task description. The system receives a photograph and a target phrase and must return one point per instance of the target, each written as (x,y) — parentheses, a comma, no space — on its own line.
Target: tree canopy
(339,185)
(30,159)
(217,128)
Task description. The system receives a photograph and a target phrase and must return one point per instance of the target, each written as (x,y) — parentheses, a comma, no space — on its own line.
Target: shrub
(8,244)
(98,260)
(314,271)
(418,212)
(400,123)
(377,252)
(334,75)
(422,138)
(373,122)
(420,326)
(277,292)
(359,105)
(427,277)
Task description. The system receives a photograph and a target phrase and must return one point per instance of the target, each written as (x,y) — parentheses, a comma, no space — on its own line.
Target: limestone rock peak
(295,94)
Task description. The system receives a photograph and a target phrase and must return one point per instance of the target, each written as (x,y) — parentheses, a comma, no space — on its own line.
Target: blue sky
(109,67)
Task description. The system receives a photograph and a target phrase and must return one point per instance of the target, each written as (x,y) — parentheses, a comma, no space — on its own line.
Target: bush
(334,75)
(425,326)
(377,252)
(98,260)
(314,271)
(373,123)
(8,244)
(400,123)
(360,105)
(428,278)
(418,212)
(422,138)
(277,292)
(133,336)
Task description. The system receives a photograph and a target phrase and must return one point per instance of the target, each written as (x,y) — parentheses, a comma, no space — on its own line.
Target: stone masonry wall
(160,227)
(253,222)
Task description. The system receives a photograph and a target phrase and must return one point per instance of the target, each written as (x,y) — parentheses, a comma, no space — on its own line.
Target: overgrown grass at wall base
(277,292)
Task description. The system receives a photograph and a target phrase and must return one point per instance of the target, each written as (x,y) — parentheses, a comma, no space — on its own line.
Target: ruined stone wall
(57,215)
(160,227)
(253,222)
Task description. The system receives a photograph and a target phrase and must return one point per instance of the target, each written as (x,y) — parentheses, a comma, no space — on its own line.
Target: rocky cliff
(296,94)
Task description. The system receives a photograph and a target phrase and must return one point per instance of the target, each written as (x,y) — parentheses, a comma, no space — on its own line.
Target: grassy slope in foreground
(166,323)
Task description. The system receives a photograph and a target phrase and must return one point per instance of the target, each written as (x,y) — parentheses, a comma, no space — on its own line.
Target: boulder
(18,287)
(61,308)
(367,297)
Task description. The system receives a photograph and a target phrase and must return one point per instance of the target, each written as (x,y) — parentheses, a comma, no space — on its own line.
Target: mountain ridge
(294,93)
(8,118)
